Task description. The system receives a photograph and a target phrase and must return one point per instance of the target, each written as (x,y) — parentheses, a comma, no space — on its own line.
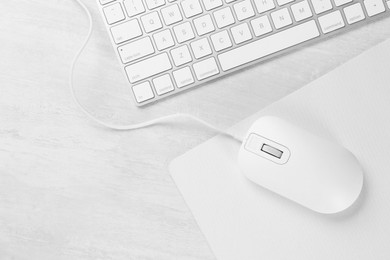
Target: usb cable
(131,126)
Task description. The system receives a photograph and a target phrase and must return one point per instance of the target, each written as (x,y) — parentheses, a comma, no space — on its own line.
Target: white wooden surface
(70,189)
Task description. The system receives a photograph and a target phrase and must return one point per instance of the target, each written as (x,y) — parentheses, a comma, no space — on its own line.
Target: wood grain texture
(70,189)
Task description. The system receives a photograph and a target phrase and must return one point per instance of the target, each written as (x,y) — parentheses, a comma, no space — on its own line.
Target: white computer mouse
(300,166)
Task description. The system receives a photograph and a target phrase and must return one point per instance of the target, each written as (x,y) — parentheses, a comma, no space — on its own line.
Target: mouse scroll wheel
(272,151)
(267,148)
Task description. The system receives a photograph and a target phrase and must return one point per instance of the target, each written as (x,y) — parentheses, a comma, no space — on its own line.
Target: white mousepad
(240,220)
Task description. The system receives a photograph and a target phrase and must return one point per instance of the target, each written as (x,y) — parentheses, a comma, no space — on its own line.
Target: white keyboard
(167,46)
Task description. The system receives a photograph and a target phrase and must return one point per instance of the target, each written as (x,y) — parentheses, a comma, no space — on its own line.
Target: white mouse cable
(132,126)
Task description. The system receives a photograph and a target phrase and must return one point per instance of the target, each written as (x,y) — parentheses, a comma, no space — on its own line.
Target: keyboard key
(143,92)
(206,68)
(321,6)
(221,40)
(163,40)
(331,22)
(183,32)
(241,33)
(181,55)
(103,2)
(354,13)
(342,2)
(268,45)
(264,5)
(301,11)
(163,84)
(374,7)
(152,4)
(165,45)
(243,10)
(211,4)
(148,67)
(261,25)
(201,48)
(204,25)
(183,77)
(151,22)
(126,31)
(171,14)
(134,7)
(191,7)
(223,17)
(283,2)
(136,50)
(281,18)
(114,13)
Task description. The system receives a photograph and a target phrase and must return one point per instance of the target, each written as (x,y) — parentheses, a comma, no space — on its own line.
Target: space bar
(269,45)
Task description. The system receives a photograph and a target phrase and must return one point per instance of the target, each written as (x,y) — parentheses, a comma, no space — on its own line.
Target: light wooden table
(70,189)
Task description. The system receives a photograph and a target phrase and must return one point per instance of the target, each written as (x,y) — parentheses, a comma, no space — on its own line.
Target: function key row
(189,8)
(114,13)
(171,14)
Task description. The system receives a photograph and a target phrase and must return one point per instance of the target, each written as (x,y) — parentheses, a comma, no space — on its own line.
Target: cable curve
(131,126)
